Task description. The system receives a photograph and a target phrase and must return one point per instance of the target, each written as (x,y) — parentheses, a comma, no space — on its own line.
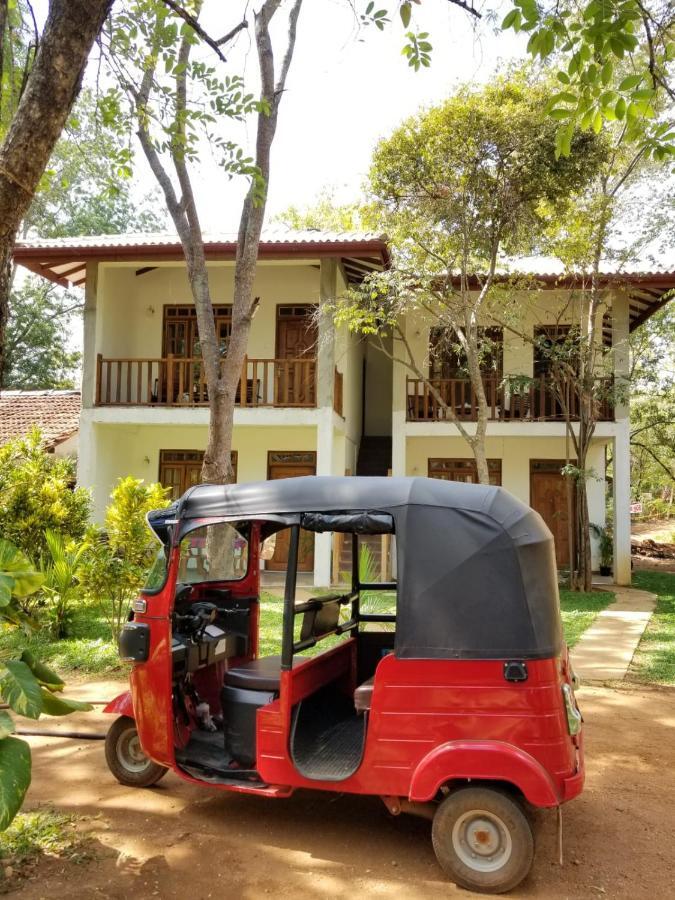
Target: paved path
(605,651)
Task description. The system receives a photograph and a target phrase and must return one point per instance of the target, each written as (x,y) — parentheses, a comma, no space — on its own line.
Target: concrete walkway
(605,651)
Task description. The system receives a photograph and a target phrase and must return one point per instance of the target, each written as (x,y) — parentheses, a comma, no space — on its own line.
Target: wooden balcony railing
(175,381)
(533,403)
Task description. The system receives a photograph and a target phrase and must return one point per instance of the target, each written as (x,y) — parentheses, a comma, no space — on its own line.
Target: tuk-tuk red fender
(122,705)
(490,760)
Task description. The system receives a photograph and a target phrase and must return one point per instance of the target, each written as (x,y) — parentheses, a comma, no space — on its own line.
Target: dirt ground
(179,840)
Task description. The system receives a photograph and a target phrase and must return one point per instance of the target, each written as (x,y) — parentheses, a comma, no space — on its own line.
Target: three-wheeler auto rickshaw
(458,703)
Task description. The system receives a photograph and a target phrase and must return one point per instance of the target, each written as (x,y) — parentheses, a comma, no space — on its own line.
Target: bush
(119,557)
(37,495)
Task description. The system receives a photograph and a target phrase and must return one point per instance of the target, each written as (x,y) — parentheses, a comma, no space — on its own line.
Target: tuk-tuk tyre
(500,805)
(147,776)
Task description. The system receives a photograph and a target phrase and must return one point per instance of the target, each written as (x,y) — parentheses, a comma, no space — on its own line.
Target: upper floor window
(181,337)
(553,343)
(447,358)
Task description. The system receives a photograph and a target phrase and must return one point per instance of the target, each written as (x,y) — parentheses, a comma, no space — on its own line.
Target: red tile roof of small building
(55,413)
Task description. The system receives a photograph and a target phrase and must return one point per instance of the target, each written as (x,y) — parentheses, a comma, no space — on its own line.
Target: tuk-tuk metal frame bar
(291,609)
(289,599)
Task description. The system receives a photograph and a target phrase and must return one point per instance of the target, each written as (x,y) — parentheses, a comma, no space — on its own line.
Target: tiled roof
(64,260)
(56,413)
(552,267)
(272,235)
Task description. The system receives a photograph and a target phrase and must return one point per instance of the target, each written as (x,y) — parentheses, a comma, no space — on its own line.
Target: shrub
(61,578)
(119,557)
(37,495)
(26,685)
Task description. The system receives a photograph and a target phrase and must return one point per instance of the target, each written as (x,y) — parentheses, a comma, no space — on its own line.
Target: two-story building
(313,399)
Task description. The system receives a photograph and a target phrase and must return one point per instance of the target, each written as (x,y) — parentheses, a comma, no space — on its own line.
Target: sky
(346,89)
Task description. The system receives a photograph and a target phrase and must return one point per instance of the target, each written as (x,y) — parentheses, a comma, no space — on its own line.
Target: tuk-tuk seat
(258,674)
(363,695)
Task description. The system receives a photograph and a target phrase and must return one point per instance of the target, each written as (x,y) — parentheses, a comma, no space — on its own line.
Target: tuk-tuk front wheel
(125,757)
(483,840)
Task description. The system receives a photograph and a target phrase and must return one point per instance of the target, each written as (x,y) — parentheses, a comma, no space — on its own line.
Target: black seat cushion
(258,674)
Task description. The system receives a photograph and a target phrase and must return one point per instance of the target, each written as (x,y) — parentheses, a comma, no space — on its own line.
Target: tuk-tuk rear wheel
(483,840)
(126,759)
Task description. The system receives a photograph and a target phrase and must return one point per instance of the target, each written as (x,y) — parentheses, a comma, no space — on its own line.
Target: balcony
(534,403)
(179,382)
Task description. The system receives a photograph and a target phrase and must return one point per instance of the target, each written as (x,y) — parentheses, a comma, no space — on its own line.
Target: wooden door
(292,465)
(296,339)
(548,496)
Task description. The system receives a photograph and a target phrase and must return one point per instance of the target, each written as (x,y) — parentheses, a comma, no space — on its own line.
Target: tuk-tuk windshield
(216,552)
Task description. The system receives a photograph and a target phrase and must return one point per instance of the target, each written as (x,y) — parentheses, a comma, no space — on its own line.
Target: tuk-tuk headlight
(574,718)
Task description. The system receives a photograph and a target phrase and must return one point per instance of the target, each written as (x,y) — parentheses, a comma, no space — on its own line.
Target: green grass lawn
(579,611)
(89,650)
(654,660)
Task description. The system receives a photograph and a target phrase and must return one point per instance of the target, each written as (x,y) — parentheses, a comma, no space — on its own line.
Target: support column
(324,466)
(621,491)
(398,415)
(326,350)
(324,392)
(89,337)
(621,447)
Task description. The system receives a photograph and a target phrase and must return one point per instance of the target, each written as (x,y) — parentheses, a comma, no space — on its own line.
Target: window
(448,360)
(217,552)
(180,469)
(463,470)
(181,338)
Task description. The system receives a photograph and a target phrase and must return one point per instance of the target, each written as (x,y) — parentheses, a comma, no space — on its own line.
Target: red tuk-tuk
(457,703)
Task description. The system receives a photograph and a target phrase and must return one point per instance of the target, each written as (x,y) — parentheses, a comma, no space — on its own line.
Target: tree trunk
(51,89)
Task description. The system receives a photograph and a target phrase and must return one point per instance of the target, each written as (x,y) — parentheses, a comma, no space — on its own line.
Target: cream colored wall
(515,454)
(130,306)
(134,450)
(378,388)
(534,309)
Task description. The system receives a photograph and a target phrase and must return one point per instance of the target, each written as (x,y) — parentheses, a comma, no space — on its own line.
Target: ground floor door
(548,496)
(291,465)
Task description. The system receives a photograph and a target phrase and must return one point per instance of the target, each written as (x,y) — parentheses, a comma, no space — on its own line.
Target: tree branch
(192,21)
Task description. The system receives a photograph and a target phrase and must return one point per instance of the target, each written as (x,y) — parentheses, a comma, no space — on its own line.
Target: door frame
(554,466)
(290,463)
(162,462)
(309,312)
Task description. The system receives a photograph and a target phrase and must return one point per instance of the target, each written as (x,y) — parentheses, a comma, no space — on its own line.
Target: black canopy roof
(475,566)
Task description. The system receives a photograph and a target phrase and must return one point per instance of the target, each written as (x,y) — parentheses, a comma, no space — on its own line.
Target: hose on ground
(78,735)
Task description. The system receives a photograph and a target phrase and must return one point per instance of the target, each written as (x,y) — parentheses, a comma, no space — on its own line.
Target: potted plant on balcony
(517,395)
(606,548)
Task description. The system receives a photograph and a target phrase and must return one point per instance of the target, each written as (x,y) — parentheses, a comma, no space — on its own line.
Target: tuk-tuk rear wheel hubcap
(129,751)
(481,840)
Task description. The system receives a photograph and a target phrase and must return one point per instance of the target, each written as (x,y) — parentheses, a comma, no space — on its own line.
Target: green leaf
(597,122)
(606,73)
(6,588)
(43,673)
(405,12)
(20,688)
(62,706)
(512,20)
(620,108)
(7,726)
(630,82)
(14,777)
(15,767)
(16,565)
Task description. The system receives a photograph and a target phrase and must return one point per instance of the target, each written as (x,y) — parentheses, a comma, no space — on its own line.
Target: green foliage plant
(61,580)
(37,494)
(119,556)
(28,686)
